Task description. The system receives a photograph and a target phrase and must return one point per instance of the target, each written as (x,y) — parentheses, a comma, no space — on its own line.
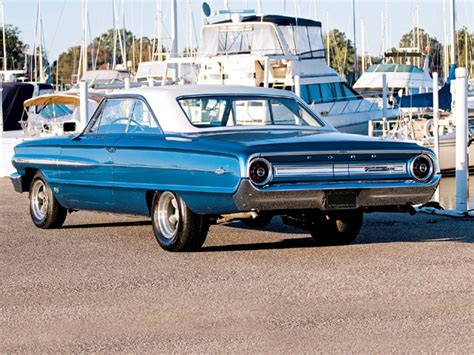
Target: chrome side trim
(55,162)
(340,170)
(38,161)
(74,163)
(303,170)
(333,152)
(377,169)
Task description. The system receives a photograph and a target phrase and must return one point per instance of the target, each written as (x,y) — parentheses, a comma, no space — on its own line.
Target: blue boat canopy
(278,20)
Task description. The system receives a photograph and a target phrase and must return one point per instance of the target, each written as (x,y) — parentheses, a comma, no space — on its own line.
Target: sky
(62,20)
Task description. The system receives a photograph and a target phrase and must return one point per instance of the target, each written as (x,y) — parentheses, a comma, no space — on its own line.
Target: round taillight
(421,167)
(260,171)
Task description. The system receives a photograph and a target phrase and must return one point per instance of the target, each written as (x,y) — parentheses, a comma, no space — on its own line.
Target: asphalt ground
(102,284)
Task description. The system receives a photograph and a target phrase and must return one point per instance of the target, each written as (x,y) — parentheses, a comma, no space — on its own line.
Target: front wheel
(175,226)
(336,228)
(45,210)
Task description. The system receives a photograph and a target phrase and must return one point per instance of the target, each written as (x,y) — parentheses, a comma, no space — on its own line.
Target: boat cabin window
(328,92)
(225,111)
(393,68)
(235,40)
(228,39)
(305,41)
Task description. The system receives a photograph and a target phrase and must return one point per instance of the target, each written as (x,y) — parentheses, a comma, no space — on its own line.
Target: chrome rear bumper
(311,195)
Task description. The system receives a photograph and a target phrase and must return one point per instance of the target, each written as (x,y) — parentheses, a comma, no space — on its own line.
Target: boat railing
(353,104)
(419,127)
(266,61)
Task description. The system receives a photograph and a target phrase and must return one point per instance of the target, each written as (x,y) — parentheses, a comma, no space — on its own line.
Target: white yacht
(403,78)
(278,52)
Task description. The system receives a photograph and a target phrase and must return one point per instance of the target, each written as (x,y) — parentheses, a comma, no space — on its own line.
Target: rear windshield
(225,111)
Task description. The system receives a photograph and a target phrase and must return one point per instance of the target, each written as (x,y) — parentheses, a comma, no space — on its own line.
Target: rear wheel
(175,226)
(336,228)
(45,210)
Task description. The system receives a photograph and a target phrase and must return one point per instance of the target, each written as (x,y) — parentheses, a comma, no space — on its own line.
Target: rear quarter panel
(204,176)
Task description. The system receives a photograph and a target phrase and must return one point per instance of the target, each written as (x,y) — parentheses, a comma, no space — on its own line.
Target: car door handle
(110,149)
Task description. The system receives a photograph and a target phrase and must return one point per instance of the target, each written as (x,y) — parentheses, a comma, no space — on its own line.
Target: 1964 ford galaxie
(192,156)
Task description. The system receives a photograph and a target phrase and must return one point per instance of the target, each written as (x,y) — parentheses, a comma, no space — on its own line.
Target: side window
(305,93)
(142,120)
(114,116)
(285,112)
(326,93)
(349,93)
(339,93)
(315,93)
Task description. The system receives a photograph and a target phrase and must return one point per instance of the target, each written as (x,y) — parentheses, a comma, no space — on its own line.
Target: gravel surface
(102,284)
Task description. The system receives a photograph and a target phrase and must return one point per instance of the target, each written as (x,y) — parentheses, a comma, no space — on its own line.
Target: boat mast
(84,36)
(4,40)
(355,40)
(328,40)
(445,41)
(453,33)
(124,41)
(362,34)
(418,44)
(174,29)
(40,23)
(114,52)
(465,50)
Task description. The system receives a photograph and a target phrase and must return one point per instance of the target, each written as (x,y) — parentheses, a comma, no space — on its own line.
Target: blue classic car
(191,156)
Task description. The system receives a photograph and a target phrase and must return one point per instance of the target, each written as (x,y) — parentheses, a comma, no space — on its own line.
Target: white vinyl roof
(163,100)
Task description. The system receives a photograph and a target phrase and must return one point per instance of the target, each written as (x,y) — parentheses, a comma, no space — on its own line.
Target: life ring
(428,129)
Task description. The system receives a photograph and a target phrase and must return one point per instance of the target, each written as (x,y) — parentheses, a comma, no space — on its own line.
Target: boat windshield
(304,40)
(258,38)
(393,68)
(231,111)
(54,111)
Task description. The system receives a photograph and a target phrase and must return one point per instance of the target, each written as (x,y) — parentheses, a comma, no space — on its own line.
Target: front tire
(336,228)
(175,226)
(45,210)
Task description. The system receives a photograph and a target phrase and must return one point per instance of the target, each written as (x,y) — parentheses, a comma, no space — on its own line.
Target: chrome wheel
(167,215)
(39,200)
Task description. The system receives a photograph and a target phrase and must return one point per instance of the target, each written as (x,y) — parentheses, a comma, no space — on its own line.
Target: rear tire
(336,228)
(45,210)
(175,226)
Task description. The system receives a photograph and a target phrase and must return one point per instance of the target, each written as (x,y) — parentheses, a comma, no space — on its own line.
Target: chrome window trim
(98,112)
(307,108)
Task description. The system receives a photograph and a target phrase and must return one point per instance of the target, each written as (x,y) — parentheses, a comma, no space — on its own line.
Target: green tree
(15,48)
(101,50)
(340,53)
(427,44)
(465,48)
